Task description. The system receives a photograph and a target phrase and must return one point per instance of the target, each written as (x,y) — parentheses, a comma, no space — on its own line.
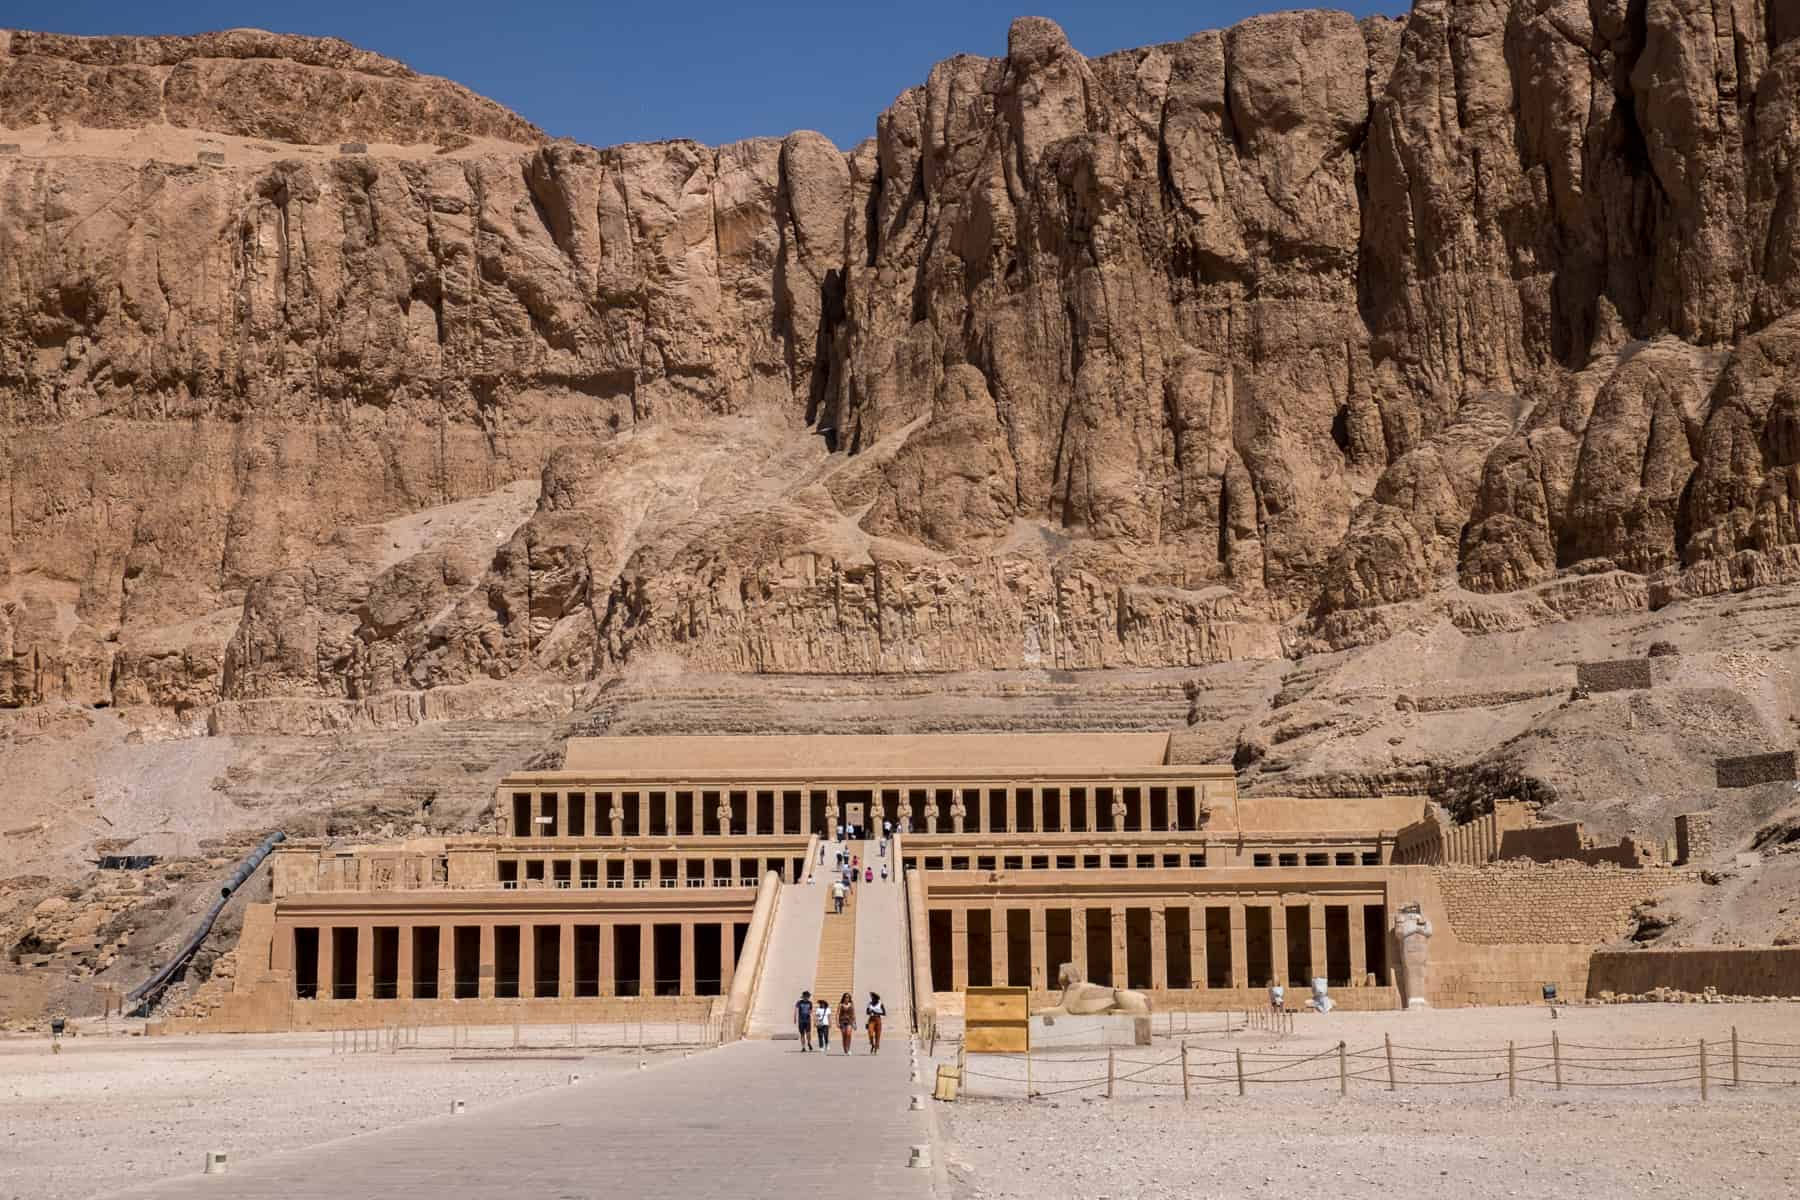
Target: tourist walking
(846,1014)
(837,896)
(803,1016)
(884,872)
(869,874)
(874,1011)
(887,829)
(822,1021)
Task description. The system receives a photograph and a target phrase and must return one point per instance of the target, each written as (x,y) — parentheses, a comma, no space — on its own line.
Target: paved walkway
(750,1119)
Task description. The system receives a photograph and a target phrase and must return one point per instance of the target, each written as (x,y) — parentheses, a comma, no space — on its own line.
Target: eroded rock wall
(1279,338)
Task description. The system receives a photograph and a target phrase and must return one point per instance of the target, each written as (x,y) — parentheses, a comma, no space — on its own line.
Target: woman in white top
(874,1011)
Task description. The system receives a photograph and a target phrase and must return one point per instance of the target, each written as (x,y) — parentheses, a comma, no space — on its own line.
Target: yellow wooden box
(997,1020)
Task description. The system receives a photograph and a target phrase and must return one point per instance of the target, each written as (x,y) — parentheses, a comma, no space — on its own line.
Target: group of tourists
(814,1018)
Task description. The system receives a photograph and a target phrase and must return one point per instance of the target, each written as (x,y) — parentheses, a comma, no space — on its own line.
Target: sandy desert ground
(110,1111)
(1591,1142)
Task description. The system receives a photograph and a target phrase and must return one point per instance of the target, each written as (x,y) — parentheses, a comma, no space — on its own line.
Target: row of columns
(994,809)
(1042,970)
(487,959)
(739,872)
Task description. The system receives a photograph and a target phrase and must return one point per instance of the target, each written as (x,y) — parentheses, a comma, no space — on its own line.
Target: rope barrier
(1602,1066)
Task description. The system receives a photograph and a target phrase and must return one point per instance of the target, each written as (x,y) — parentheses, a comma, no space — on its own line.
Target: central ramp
(791,963)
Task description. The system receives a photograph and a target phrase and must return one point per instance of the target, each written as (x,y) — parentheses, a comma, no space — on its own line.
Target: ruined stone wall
(1732,971)
(1749,770)
(1545,903)
(1615,676)
(1693,838)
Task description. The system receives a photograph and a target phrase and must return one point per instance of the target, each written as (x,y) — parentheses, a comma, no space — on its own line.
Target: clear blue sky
(714,70)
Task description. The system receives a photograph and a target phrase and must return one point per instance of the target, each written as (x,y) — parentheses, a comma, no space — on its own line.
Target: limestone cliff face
(1280,338)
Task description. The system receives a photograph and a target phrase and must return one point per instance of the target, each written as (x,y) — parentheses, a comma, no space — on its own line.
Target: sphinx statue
(1083,999)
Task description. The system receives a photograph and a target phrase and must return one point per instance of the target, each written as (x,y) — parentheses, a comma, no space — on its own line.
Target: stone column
(646,958)
(643,807)
(751,794)
(1121,962)
(527,959)
(565,960)
(562,814)
(322,967)
(485,971)
(1240,947)
(688,987)
(1040,949)
(1278,952)
(1037,810)
(1078,941)
(606,958)
(832,810)
(1197,943)
(698,801)
(999,947)
(1316,927)
(1359,956)
(365,960)
(446,962)
(1159,946)
(403,966)
(727,958)
(959,949)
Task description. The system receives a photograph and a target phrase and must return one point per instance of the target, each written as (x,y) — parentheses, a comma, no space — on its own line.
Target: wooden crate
(997,1020)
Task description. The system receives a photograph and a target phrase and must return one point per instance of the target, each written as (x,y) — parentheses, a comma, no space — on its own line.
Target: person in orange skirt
(874,1011)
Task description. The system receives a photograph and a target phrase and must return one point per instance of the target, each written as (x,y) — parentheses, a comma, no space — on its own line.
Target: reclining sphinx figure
(1083,999)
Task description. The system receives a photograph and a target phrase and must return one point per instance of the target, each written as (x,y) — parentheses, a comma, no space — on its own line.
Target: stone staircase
(835,972)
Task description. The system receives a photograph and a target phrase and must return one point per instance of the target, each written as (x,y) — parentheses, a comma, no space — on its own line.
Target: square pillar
(1040,950)
(403,974)
(1037,810)
(1078,940)
(1090,803)
(1315,926)
(527,958)
(959,949)
(727,959)
(643,807)
(365,960)
(1240,947)
(699,817)
(646,958)
(485,982)
(446,962)
(565,961)
(606,958)
(688,987)
(1359,956)
(999,946)
(1159,946)
(750,794)
(1121,965)
(1197,943)
(1278,953)
(562,814)
(323,970)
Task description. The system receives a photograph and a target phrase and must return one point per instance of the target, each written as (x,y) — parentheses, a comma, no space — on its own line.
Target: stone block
(1693,838)
(1615,675)
(353,148)
(211,158)
(1748,770)
(1108,1029)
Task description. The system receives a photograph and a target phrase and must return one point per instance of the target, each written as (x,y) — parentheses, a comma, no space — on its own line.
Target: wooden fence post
(1109,1072)
(1556,1057)
(1343,1072)
(1186,1094)
(1387,1040)
(1240,1069)
(1512,1072)
(1735,1081)
(1703,1068)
